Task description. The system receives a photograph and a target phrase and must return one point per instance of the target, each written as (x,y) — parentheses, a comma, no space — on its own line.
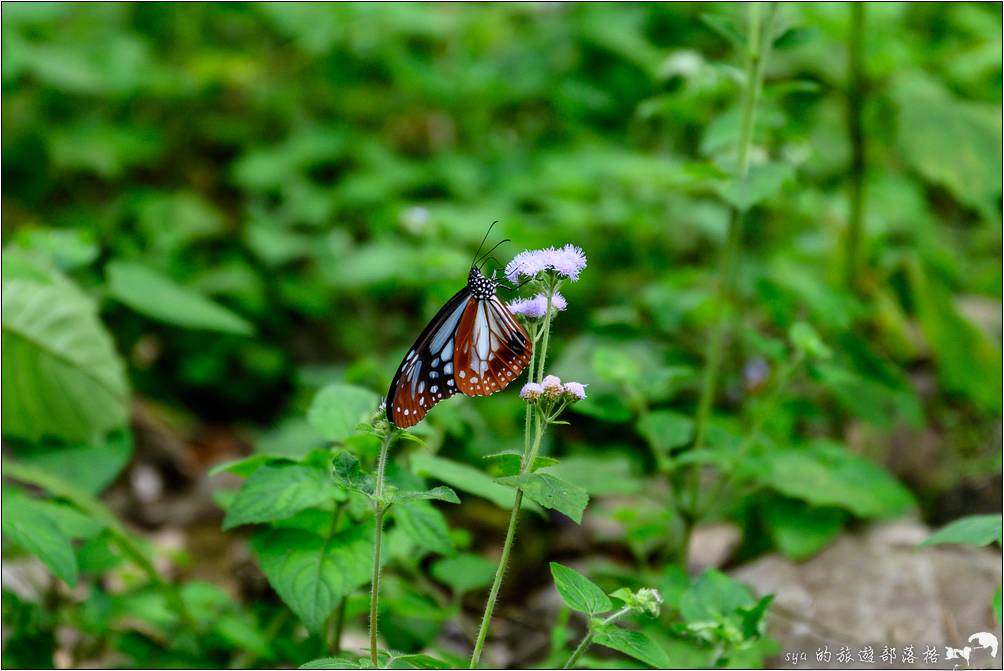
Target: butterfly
(473,345)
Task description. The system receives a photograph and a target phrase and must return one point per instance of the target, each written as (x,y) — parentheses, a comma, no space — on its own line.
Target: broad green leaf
(968,362)
(551,492)
(33,528)
(761,182)
(971,530)
(996,605)
(435,494)
(508,462)
(800,530)
(464,572)
(807,341)
(579,592)
(312,573)
(158,297)
(713,597)
(347,473)
(416,662)
(332,663)
(634,644)
(248,465)
(465,478)
(666,430)
(615,365)
(94,464)
(425,525)
(275,492)
(338,408)
(950,142)
(61,375)
(598,475)
(827,474)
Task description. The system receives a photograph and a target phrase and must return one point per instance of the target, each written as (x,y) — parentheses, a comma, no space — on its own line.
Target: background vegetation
(223,225)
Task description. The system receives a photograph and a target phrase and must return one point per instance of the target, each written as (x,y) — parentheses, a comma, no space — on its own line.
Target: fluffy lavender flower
(536,307)
(568,261)
(531,391)
(552,386)
(575,391)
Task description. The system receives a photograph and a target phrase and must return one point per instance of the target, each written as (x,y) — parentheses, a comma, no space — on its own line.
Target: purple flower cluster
(536,307)
(552,388)
(567,261)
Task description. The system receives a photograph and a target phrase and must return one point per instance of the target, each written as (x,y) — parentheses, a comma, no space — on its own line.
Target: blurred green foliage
(221,209)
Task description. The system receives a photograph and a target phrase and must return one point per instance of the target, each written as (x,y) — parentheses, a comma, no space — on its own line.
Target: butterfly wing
(492,348)
(425,377)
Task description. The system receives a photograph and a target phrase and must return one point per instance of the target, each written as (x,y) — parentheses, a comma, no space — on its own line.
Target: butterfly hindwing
(426,375)
(492,348)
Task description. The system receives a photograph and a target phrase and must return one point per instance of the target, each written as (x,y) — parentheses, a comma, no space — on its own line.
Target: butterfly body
(473,345)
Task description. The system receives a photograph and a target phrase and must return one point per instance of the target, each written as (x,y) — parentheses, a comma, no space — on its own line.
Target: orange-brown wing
(492,348)
(425,377)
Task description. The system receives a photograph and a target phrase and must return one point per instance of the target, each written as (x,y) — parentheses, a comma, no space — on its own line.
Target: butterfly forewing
(492,348)
(426,376)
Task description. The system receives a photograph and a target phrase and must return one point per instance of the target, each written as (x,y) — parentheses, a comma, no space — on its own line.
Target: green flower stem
(379,509)
(91,506)
(587,640)
(759,38)
(529,454)
(855,130)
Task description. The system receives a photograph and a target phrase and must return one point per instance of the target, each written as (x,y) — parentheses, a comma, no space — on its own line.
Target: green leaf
(798,529)
(508,462)
(312,573)
(806,340)
(416,662)
(968,362)
(579,592)
(599,476)
(464,573)
(331,663)
(614,365)
(754,618)
(275,492)
(465,478)
(971,530)
(425,525)
(94,464)
(347,473)
(713,598)
(996,604)
(634,644)
(435,494)
(61,375)
(338,408)
(158,297)
(761,182)
(666,430)
(551,492)
(33,527)
(950,142)
(826,474)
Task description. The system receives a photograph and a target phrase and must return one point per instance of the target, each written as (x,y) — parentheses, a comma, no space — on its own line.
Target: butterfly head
(481,287)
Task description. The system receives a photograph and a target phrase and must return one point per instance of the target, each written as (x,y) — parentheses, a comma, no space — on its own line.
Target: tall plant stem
(587,640)
(379,509)
(855,130)
(758,42)
(529,453)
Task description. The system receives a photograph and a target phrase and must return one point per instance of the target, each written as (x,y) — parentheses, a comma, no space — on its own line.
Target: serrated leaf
(579,592)
(435,494)
(551,492)
(35,530)
(347,473)
(312,573)
(971,530)
(277,492)
(713,597)
(159,297)
(508,462)
(332,663)
(464,573)
(338,408)
(425,525)
(464,478)
(61,375)
(634,644)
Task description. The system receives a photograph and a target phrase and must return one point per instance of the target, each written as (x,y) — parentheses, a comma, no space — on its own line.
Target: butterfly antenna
(488,254)
(487,233)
